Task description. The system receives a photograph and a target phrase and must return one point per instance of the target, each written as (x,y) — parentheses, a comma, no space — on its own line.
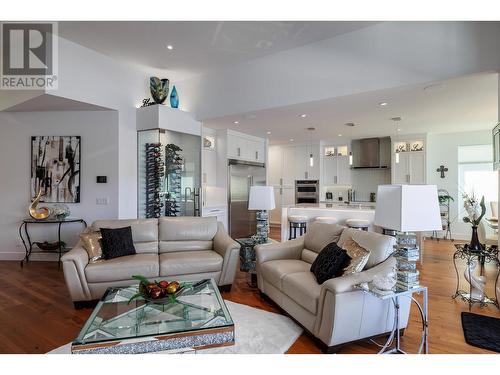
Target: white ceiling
(199,47)
(462,104)
(47,102)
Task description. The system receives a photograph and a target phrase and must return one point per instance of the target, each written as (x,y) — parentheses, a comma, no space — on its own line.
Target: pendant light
(311,157)
(350,124)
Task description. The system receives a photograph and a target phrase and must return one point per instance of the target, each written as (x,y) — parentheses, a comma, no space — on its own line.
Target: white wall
(99,156)
(442,149)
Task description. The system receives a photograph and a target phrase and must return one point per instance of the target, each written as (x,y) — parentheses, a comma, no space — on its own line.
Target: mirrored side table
(247,258)
(393,343)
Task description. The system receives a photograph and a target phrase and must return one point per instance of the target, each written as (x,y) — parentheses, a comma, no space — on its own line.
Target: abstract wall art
(55,168)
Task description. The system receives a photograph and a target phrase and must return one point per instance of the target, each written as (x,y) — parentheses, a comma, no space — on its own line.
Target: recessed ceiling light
(383,104)
(170,47)
(291,139)
(268,133)
(340,135)
(399,129)
(303,115)
(236,122)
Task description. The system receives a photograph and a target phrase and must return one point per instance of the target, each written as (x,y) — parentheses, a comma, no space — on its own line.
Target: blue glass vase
(174,99)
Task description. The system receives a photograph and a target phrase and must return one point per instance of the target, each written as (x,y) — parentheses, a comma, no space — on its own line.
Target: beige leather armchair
(335,312)
(179,248)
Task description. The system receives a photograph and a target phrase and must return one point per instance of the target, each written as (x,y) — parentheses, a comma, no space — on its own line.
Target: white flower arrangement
(475,209)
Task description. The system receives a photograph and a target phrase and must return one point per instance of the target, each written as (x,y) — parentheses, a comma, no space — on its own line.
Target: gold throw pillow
(92,244)
(359,256)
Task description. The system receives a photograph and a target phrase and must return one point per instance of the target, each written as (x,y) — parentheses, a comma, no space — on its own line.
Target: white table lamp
(262,199)
(407,208)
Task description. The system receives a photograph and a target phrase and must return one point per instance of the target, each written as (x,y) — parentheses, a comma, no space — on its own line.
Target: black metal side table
(487,255)
(28,244)
(247,258)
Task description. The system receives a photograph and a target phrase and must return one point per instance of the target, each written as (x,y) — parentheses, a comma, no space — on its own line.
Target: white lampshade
(261,198)
(408,208)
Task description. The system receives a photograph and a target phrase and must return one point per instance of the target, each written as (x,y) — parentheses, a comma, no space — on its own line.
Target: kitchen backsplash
(366,181)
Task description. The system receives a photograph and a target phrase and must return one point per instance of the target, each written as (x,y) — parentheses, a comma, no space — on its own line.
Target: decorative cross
(442,169)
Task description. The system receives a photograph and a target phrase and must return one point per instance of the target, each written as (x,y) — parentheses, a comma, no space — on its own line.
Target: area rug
(481,331)
(256,332)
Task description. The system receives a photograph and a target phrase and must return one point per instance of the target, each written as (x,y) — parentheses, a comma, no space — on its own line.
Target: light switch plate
(101,201)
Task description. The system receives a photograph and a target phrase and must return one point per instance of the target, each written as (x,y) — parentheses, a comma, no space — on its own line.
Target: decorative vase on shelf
(159,89)
(174,98)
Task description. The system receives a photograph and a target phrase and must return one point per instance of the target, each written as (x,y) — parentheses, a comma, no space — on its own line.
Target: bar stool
(297,222)
(358,224)
(326,220)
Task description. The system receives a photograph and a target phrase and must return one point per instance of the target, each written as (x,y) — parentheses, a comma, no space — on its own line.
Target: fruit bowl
(161,292)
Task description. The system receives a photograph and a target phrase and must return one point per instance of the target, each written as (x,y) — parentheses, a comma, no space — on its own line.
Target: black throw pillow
(117,242)
(330,263)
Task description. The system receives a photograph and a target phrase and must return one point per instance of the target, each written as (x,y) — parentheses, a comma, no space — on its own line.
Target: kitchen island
(340,211)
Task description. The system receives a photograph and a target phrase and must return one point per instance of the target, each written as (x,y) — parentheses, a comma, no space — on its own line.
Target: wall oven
(306,191)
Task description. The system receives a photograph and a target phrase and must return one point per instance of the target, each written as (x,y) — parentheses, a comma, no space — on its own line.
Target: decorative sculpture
(159,89)
(442,169)
(478,283)
(38,213)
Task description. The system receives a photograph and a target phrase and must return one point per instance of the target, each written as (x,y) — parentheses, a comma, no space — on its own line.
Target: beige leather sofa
(179,248)
(333,312)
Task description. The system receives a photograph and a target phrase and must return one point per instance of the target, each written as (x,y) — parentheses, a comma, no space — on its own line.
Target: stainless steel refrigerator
(242,175)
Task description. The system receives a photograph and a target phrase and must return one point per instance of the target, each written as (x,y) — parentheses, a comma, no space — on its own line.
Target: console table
(28,244)
(476,292)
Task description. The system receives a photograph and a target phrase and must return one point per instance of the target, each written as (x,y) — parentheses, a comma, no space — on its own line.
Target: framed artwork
(55,168)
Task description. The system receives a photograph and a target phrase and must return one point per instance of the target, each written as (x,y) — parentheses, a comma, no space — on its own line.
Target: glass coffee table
(198,319)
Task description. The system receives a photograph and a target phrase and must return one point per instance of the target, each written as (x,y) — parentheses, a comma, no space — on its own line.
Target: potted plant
(475,211)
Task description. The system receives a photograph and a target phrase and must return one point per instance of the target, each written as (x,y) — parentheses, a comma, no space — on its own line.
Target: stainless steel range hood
(371,153)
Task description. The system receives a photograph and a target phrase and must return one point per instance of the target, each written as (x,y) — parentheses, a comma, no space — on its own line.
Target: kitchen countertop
(358,206)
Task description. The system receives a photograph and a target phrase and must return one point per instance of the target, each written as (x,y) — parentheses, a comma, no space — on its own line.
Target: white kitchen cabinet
(209,167)
(417,168)
(343,170)
(288,167)
(245,147)
(219,212)
(410,169)
(274,166)
(236,147)
(303,168)
(336,170)
(256,151)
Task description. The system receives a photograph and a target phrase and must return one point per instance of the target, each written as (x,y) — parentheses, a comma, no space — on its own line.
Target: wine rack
(155,177)
(173,168)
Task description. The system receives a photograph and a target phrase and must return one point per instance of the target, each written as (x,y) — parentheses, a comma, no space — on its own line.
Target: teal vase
(174,99)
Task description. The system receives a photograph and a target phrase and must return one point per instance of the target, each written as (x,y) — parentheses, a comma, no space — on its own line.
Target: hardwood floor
(37,315)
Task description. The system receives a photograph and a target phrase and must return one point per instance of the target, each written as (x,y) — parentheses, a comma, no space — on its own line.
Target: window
(476,174)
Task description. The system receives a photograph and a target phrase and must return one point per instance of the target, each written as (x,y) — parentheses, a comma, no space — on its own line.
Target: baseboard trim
(14,256)
(36,257)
